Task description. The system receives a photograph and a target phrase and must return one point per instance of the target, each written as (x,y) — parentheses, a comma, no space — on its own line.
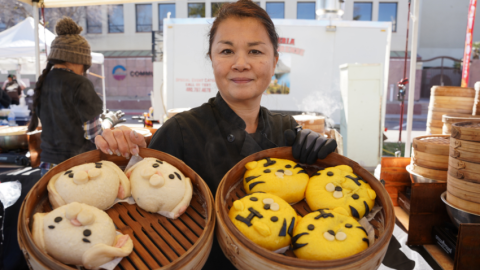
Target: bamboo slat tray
(244,254)
(432,144)
(467,131)
(159,242)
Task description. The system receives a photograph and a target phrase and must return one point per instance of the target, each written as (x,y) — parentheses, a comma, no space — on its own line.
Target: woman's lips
(241,80)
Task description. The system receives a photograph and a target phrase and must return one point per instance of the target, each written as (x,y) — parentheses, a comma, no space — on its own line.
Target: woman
(65,100)
(214,137)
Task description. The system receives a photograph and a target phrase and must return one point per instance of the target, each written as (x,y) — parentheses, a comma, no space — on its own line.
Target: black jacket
(4,99)
(211,139)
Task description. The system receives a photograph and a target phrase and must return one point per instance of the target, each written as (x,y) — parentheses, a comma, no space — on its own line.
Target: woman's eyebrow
(251,44)
(226,42)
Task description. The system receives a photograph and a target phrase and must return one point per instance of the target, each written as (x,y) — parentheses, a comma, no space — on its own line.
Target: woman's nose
(241,63)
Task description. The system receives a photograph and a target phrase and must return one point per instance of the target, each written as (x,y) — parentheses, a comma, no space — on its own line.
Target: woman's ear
(275,61)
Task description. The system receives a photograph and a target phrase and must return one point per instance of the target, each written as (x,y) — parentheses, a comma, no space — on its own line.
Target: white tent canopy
(17,49)
(73,3)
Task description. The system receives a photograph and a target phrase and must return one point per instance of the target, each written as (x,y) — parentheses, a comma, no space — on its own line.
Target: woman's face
(243,59)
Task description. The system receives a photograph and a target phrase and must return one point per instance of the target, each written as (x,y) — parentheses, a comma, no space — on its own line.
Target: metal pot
(457,215)
(13,142)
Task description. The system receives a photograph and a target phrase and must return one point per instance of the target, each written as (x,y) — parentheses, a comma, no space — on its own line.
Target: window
(94,19)
(144,17)
(362,11)
(3,26)
(306,10)
(276,10)
(163,10)
(196,10)
(115,19)
(216,8)
(387,12)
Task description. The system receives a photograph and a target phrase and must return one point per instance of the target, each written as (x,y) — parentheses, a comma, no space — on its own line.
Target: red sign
(468,43)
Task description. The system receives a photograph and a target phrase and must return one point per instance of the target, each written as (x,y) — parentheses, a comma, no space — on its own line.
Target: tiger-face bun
(280,177)
(339,187)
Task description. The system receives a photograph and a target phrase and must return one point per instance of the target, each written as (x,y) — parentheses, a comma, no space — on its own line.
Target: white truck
(307,77)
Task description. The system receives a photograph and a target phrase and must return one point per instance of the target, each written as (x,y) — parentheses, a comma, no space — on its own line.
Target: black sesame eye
(70,175)
(311,227)
(86,240)
(171,176)
(98,166)
(159,161)
(330,173)
(274,219)
(67,172)
(253,199)
(348,225)
(355,196)
(331,232)
(58,219)
(155,165)
(282,171)
(267,171)
(338,189)
(266,206)
(87,232)
(288,166)
(51,227)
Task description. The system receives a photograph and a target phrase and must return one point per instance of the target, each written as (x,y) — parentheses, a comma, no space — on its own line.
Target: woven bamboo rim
(465,155)
(172,244)
(438,175)
(453,91)
(244,254)
(468,131)
(430,161)
(463,204)
(432,144)
(465,145)
(471,188)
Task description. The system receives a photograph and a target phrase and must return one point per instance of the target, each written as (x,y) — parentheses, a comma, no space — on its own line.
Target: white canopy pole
(413,70)
(103,87)
(37,42)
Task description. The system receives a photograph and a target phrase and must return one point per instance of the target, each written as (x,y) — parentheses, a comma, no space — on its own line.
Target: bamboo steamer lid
(439,175)
(463,204)
(430,161)
(468,131)
(244,254)
(432,144)
(183,243)
(9,131)
(448,120)
(452,91)
(313,122)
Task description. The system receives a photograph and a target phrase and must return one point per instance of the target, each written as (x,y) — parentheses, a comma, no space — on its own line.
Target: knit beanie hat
(69,46)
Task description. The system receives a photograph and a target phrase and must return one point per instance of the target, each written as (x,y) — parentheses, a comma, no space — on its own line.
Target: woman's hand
(309,145)
(122,141)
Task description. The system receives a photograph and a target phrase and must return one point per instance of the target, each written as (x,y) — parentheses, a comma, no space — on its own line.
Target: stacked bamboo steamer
(313,122)
(430,156)
(450,100)
(449,119)
(463,184)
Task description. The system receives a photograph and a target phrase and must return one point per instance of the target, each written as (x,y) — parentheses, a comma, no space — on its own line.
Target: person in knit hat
(65,100)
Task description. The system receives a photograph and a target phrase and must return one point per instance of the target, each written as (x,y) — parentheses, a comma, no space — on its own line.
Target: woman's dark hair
(38,91)
(244,9)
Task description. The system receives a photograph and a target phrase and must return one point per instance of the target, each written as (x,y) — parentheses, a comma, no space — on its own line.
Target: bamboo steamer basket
(431,161)
(464,190)
(463,204)
(158,241)
(465,155)
(467,131)
(464,170)
(448,120)
(434,130)
(313,122)
(450,100)
(465,145)
(244,254)
(438,175)
(432,144)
